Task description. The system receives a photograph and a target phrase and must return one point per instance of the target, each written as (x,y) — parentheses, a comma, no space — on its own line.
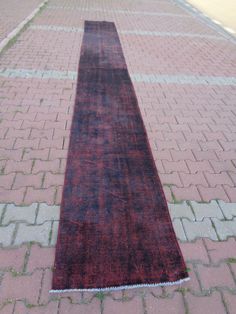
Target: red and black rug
(115,230)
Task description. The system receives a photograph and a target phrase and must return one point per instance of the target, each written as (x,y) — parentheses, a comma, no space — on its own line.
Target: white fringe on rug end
(123,287)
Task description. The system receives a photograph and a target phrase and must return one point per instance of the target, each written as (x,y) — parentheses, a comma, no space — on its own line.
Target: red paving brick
(212,193)
(33,180)
(192,192)
(197,251)
(7,309)
(21,287)
(12,196)
(40,195)
(13,258)
(18,166)
(41,154)
(116,307)
(212,277)
(221,250)
(231,193)
(53,180)
(67,307)
(205,304)
(6,181)
(51,308)
(230,300)
(174,305)
(40,258)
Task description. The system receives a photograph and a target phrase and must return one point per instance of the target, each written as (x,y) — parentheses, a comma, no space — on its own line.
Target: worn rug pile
(115,230)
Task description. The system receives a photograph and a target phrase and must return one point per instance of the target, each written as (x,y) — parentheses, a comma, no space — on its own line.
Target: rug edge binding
(123,287)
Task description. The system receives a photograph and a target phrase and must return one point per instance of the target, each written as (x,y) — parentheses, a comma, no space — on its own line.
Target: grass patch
(100,296)
(182,290)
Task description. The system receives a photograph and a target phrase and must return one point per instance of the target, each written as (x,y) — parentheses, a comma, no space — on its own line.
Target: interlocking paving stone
(230,300)
(228,209)
(196,251)
(41,222)
(183,79)
(51,308)
(29,233)
(40,257)
(215,277)
(47,213)
(181,210)
(160,305)
(94,307)
(136,77)
(21,287)
(54,233)
(126,32)
(203,210)
(178,227)
(223,250)
(52,74)
(1,210)
(8,308)
(204,304)
(118,11)
(12,258)
(6,234)
(203,229)
(20,213)
(170,34)
(225,229)
(117,307)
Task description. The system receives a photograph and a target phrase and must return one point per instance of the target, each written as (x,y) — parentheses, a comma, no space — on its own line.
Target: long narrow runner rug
(115,230)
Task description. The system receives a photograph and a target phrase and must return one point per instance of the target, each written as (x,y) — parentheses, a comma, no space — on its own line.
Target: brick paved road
(184,74)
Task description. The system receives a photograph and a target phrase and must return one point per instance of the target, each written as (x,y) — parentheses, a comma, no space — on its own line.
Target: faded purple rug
(115,230)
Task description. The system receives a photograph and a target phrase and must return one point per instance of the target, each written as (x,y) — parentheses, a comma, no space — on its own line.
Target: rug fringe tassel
(123,287)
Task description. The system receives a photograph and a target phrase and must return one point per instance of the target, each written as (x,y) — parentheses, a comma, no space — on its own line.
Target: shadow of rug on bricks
(115,231)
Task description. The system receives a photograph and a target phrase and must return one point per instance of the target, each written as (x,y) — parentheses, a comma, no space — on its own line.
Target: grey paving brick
(57,28)
(183,79)
(118,11)
(6,233)
(1,210)
(197,229)
(127,32)
(179,231)
(181,210)
(47,212)
(229,209)
(36,233)
(59,75)
(169,34)
(203,210)
(136,77)
(225,228)
(20,213)
(54,233)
